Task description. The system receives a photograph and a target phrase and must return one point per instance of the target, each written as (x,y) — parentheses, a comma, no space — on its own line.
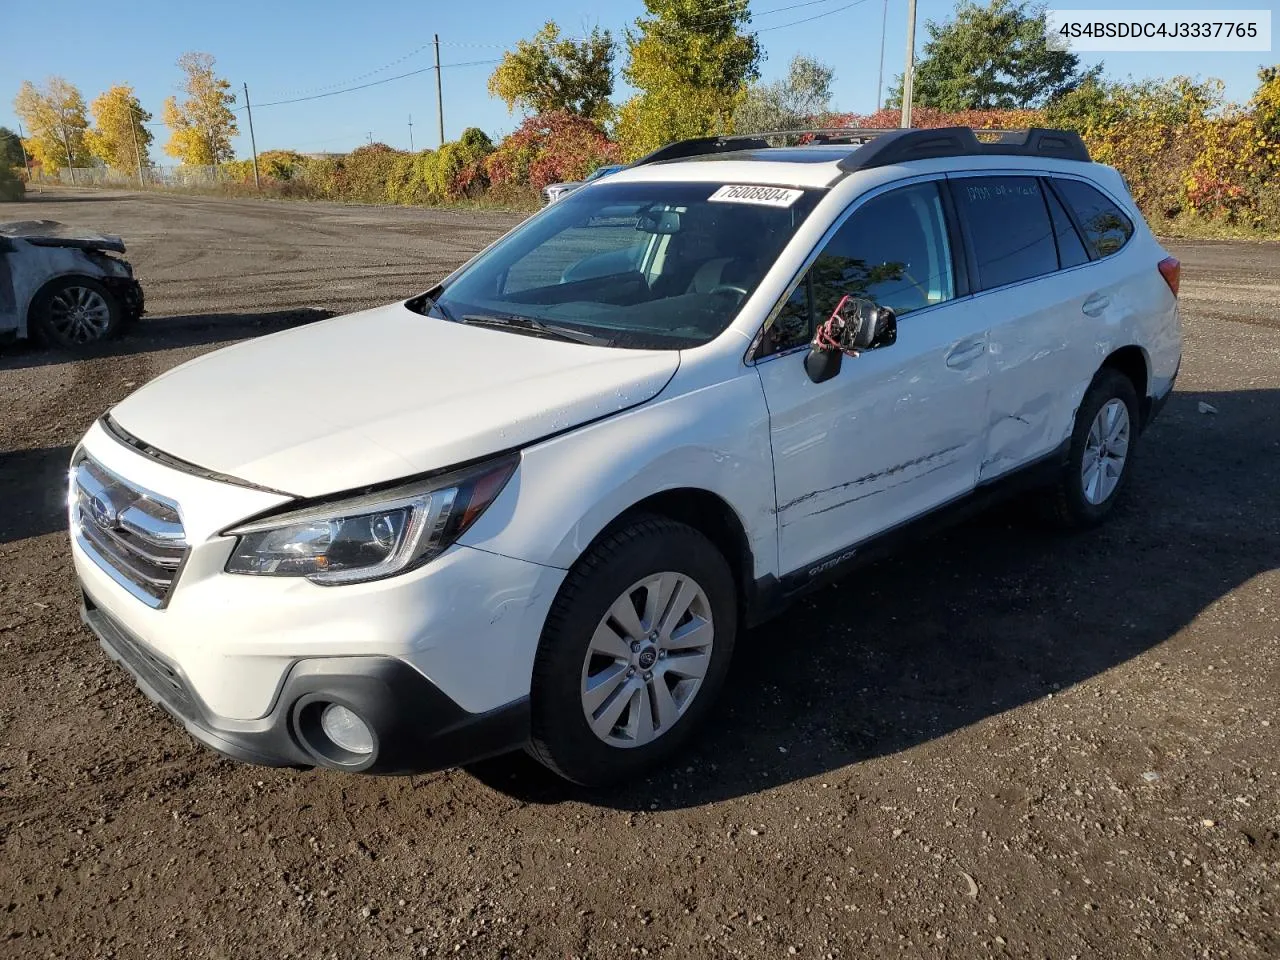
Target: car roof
(751,158)
(816,170)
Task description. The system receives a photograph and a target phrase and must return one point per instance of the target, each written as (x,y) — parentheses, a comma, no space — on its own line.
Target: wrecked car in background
(556,191)
(63,285)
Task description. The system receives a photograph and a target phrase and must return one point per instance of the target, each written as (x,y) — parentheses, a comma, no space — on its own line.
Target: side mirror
(855,325)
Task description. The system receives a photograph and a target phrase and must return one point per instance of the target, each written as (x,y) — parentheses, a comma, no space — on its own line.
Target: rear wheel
(634,652)
(1101,453)
(73,311)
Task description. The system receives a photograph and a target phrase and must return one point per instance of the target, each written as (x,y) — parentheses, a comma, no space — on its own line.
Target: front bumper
(416,727)
(129,292)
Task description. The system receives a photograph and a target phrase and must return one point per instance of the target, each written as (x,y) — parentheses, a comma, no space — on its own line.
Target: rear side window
(1071,252)
(1106,228)
(1009,224)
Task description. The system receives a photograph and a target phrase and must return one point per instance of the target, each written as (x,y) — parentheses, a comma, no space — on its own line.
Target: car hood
(51,233)
(379,395)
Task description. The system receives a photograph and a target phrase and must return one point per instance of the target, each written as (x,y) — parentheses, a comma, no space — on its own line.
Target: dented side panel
(1041,348)
(1048,341)
(896,433)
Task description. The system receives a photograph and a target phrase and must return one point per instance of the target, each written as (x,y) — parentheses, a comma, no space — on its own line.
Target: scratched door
(901,428)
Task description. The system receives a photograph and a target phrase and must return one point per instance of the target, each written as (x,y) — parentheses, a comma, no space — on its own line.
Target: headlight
(371,536)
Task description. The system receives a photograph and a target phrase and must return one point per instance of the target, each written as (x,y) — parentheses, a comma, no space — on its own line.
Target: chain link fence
(175,177)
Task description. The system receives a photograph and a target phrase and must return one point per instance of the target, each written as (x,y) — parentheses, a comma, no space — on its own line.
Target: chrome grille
(136,536)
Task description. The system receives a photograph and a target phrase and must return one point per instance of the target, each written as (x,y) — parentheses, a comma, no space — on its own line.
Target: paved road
(1002,743)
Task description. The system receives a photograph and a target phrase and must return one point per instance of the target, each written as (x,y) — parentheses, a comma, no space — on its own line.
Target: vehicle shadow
(33,488)
(153,334)
(994,614)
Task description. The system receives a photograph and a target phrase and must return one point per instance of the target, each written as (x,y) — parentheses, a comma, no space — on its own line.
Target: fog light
(346,729)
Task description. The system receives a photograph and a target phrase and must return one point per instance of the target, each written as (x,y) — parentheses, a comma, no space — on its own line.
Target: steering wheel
(729,288)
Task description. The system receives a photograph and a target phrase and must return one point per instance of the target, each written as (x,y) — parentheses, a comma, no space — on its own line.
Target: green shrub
(11,188)
(551,148)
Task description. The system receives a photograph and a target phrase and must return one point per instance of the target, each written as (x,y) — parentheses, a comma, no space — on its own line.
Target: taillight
(1171,270)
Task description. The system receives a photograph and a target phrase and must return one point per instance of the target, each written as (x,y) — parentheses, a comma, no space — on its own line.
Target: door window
(1106,228)
(892,250)
(1071,252)
(1009,225)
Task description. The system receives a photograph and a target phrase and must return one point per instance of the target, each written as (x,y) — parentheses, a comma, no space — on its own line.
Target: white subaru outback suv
(534,505)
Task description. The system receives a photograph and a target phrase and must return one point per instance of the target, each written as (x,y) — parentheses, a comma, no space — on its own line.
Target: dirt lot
(1002,743)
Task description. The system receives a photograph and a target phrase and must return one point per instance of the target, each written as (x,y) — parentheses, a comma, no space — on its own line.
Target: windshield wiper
(533,327)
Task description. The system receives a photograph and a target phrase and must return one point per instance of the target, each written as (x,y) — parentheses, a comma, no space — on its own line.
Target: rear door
(898,430)
(1025,254)
(1048,265)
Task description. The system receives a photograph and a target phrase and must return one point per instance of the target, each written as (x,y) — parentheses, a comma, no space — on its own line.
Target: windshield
(640,265)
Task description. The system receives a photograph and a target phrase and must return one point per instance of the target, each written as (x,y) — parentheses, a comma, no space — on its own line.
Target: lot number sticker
(763,196)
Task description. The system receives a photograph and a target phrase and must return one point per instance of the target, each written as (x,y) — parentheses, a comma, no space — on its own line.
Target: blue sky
(293,49)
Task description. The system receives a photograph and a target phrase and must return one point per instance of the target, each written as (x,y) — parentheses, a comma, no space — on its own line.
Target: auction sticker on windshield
(764,196)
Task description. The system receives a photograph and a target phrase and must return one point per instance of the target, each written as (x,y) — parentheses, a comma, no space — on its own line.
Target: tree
(119,122)
(10,150)
(55,118)
(203,124)
(992,57)
(550,73)
(790,103)
(691,64)
(1266,104)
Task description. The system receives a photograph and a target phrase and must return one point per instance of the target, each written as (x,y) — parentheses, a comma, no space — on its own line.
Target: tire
(70,312)
(1080,499)
(585,652)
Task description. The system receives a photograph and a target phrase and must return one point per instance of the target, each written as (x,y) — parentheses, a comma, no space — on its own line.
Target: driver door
(899,430)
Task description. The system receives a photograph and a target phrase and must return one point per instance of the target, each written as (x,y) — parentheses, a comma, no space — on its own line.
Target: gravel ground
(1002,743)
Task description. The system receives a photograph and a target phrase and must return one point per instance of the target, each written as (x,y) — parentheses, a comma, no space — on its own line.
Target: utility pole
(137,151)
(439,90)
(253,143)
(213,152)
(26,161)
(67,143)
(411,133)
(884,25)
(908,75)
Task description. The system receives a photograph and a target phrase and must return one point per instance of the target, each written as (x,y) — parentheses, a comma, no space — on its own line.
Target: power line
(360,76)
(374,83)
(794,6)
(818,16)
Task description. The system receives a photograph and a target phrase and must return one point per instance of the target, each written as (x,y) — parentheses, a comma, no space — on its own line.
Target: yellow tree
(54,116)
(119,131)
(202,125)
(551,72)
(691,62)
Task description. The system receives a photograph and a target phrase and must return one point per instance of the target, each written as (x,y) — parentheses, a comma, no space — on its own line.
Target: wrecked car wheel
(73,311)
(633,653)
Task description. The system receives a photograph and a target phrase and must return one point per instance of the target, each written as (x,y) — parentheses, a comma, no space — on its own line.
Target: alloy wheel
(79,314)
(1105,451)
(647,659)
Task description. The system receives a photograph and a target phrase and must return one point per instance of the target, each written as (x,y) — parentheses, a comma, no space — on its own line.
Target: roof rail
(705,146)
(899,146)
(880,148)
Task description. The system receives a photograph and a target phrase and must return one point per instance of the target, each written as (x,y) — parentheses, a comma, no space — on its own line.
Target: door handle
(1094,306)
(965,353)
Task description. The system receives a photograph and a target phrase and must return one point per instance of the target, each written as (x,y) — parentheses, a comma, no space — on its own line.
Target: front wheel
(1100,456)
(74,311)
(634,652)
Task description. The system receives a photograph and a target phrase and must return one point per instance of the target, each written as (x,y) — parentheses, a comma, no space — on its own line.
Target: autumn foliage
(551,148)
